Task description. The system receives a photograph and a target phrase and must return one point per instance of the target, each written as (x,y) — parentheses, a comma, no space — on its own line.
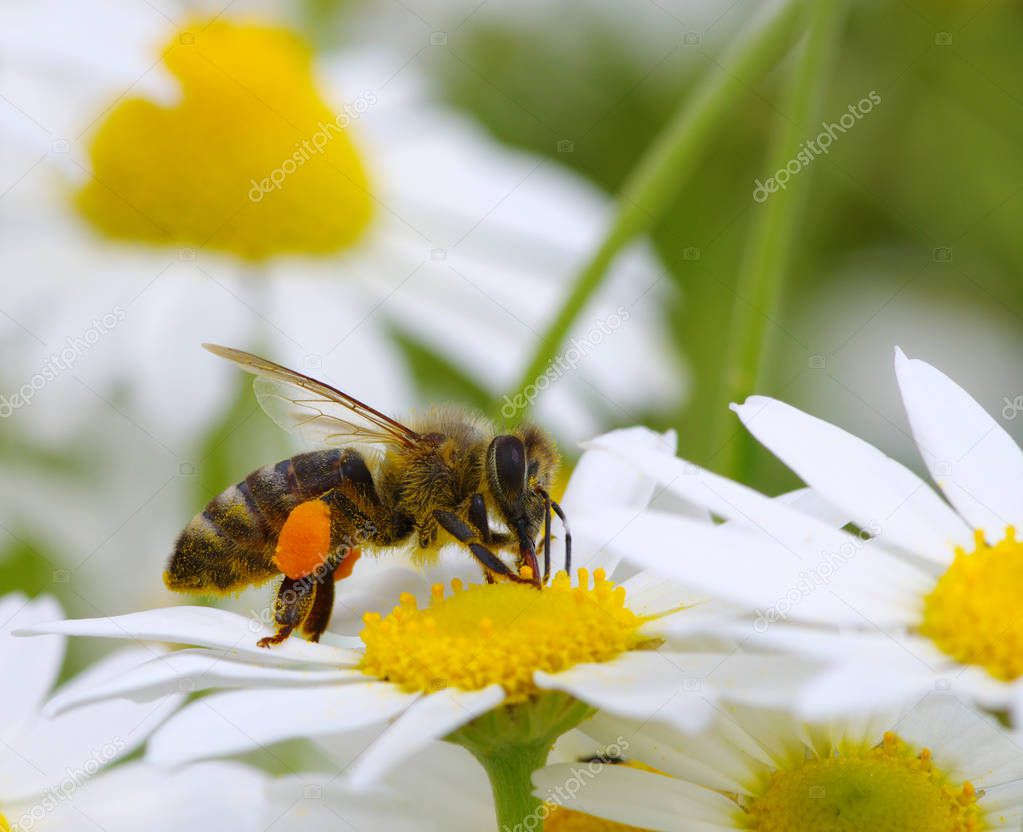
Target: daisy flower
(926,595)
(939,765)
(58,773)
(170,179)
(500,668)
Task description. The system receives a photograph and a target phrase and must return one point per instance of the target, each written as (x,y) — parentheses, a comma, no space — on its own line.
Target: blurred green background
(909,235)
(911,231)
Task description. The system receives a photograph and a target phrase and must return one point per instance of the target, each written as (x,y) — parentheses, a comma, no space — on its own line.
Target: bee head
(506,468)
(519,469)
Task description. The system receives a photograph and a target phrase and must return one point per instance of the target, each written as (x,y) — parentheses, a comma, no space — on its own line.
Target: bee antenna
(546,534)
(568,536)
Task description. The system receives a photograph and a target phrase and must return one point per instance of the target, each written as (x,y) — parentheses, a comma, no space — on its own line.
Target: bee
(450,475)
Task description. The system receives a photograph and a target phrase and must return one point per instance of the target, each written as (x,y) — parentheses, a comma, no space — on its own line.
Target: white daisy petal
(862,646)
(207,796)
(758,573)
(34,664)
(95,735)
(633,797)
(648,593)
(187,671)
(859,687)
(640,685)
(718,758)
(234,634)
(730,500)
(810,502)
(442,785)
(973,746)
(767,681)
(323,803)
(244,720)
(603,478)
(881,495)
(431,718)
(972,457)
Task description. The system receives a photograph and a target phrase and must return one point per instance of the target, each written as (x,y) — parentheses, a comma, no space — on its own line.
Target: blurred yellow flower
(210,169)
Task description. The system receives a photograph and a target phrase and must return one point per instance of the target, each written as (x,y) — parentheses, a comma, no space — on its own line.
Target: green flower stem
(667,165)
(511,743)
(511,778)
(765,262)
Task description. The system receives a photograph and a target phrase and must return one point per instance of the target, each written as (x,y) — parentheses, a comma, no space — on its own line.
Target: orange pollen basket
(304,541)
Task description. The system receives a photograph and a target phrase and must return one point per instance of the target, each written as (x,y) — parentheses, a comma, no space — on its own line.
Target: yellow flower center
(975,612)
(4,825)
(888,788)
(499,633)
(250,160)
(565,820)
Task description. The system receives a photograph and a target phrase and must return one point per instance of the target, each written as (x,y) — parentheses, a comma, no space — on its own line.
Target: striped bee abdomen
(230,545)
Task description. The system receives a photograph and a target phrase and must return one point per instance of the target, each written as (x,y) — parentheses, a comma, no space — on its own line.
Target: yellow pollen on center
(4,825)
(888,788)
(250,160)
(500,633)
(973,612)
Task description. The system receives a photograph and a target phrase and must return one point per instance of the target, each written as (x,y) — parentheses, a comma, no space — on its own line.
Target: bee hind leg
(291,607)
(318,617)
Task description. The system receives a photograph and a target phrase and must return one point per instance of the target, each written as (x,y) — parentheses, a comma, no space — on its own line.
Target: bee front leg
(491,563)
(291,607)
(478,517)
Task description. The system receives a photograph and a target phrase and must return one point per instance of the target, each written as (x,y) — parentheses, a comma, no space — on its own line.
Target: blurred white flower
(936,765)
(851,322)
(58,773)
(228,189)
(926,596)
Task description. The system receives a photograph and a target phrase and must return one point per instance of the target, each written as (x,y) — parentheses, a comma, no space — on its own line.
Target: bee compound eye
(509,455)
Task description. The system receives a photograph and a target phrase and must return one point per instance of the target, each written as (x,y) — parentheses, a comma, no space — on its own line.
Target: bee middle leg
(491,563)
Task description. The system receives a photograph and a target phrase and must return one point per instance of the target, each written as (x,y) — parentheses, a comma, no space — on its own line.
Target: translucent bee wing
(313,410)
(317,420)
